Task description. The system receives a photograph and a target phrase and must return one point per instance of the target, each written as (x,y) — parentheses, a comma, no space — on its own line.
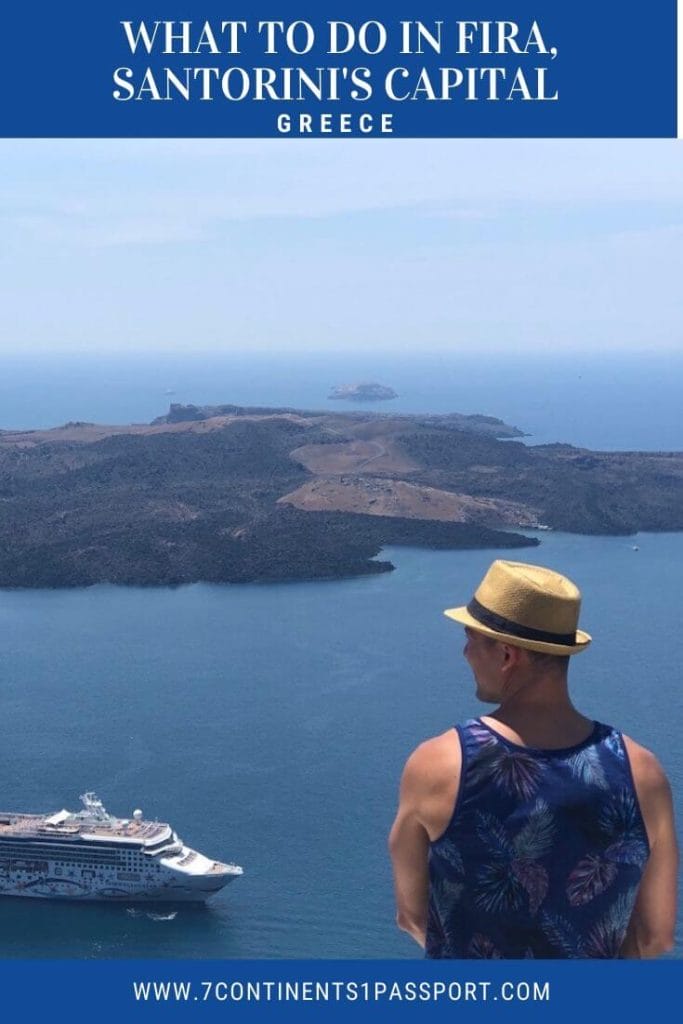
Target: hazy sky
(340,244)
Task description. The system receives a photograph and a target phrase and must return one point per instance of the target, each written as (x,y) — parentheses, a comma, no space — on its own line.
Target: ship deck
(37,826)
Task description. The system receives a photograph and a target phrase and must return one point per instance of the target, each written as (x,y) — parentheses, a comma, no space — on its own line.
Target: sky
(341,245)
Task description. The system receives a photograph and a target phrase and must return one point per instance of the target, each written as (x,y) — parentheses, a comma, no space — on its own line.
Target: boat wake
(151,914)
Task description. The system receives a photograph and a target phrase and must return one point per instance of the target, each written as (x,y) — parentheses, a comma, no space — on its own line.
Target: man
(533,831)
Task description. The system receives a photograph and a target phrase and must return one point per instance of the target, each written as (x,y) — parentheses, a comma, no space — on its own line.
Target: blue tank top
(544,852)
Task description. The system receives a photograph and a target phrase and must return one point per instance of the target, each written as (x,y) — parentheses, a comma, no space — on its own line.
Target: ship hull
(198,891)
(156,884)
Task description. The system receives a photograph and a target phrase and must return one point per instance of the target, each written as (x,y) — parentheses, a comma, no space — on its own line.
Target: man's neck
(541,714)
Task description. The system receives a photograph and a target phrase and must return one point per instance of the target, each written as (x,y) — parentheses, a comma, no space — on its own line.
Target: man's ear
(511,655)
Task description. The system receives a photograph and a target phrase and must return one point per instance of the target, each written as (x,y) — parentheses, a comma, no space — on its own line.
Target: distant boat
(634,547)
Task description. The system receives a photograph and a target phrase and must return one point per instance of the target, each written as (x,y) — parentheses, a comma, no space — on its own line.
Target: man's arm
(409,848)
(651,928)
(428,787)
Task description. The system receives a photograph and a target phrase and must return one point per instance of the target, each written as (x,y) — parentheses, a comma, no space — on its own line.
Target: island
(231,494)
(367,391)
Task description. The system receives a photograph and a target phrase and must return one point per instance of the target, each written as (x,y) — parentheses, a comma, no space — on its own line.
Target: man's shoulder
(645,766)
(652,789)
(435,759)
(431,779)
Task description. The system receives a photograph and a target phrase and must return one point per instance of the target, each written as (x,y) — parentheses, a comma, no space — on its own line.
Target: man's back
(544,852)
(432,802)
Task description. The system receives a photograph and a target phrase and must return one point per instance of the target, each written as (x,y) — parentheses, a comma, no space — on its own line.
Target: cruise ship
(91,855)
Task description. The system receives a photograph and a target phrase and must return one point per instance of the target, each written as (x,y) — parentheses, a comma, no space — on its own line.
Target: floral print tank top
(544,852)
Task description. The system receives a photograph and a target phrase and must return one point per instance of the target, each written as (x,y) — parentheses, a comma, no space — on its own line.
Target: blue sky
(122,246)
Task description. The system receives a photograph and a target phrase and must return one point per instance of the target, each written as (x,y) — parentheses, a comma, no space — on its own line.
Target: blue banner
(490,68)
(358,991)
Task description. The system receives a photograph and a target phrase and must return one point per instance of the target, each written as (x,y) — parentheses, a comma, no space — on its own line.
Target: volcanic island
(232,494)
(365,391)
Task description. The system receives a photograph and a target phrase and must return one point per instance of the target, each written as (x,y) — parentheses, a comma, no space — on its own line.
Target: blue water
(601,401)
(269,723)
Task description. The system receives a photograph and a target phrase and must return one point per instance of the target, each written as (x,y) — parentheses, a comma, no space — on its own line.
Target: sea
(269,723)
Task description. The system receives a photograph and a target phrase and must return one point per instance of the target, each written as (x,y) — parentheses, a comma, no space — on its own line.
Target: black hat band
(503,625)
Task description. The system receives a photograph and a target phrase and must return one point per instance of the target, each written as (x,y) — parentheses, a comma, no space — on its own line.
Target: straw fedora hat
(527,606)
